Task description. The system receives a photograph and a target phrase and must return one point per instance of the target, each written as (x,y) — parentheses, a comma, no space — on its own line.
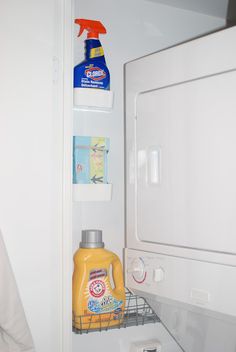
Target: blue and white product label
(106,305)
(92,76)
(100,298)
(93,72)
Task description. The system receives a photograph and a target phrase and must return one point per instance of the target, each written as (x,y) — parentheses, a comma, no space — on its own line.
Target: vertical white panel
(30,154)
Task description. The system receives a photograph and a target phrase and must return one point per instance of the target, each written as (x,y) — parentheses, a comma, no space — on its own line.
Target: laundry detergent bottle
(98,286)
(92,72)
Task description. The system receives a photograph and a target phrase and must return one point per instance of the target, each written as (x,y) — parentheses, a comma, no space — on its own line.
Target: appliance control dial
(138,270)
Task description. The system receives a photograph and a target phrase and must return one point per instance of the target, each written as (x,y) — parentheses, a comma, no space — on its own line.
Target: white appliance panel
(194,300)
(194,331)
(186,169)
(180,188)
(181,168)
(197,284)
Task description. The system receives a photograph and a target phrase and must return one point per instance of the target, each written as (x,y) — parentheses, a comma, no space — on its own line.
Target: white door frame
(64,43)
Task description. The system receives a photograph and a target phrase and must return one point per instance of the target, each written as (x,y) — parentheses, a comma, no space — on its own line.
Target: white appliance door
(186,164)
(180,144)
(181,189)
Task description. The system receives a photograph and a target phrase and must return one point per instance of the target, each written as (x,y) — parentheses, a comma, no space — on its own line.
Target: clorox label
(92,76)
(95,73)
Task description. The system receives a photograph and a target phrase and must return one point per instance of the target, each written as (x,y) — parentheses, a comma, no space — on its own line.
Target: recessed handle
(154,165)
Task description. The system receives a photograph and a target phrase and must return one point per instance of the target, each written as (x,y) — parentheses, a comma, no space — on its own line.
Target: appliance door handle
(154,165)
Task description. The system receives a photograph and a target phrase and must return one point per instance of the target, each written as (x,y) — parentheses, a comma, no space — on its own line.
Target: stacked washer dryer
(181,188)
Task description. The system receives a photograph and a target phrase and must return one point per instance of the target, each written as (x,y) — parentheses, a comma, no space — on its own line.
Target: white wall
(134,28)
(30,179)
(121,340)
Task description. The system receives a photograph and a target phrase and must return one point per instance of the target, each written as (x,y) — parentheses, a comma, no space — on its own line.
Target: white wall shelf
(92,192)
(93,99)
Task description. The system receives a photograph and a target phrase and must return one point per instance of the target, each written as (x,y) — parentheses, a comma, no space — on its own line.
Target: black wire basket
(137,312)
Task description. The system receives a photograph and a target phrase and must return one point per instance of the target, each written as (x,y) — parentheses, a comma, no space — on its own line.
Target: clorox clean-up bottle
(92,72)
(96,303)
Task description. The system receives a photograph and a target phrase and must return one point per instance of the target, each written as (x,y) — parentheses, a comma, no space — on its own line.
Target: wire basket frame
(137,312)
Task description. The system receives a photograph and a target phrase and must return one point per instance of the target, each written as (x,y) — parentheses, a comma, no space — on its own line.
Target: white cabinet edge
(92,192)
(93,99)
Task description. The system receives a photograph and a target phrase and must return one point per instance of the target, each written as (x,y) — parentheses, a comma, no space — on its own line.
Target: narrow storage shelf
(137,312)
(93,99)
(92,192)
